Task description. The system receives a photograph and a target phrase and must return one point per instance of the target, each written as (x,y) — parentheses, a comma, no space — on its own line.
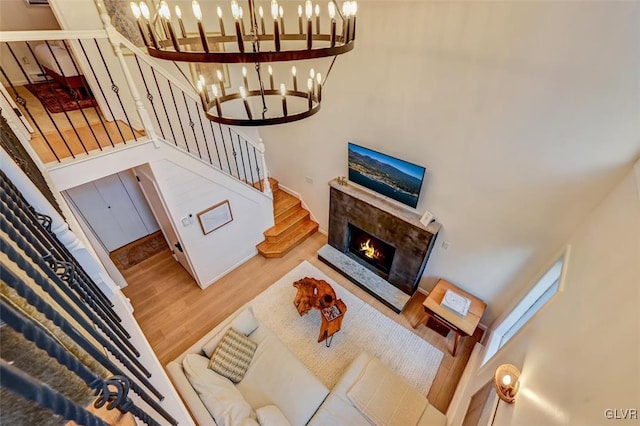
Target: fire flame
(369,250)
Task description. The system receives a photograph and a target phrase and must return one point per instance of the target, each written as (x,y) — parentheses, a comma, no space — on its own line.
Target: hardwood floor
(66,133)
(174,312)
(59,120)
(96,137)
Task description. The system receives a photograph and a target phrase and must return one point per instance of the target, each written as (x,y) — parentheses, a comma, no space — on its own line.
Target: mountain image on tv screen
(386,175)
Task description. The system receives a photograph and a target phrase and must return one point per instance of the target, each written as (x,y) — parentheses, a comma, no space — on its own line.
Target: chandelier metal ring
(211,109)
(246,57)
(258,43)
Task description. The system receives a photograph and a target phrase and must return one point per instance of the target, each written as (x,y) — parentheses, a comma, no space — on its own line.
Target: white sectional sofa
(278,390)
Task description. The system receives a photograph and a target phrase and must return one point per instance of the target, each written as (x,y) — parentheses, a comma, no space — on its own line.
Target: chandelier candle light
(252,45)
(261,13)
(183,31)
(283,91)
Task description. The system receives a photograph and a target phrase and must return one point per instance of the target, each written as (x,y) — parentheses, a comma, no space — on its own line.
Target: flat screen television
(389,176)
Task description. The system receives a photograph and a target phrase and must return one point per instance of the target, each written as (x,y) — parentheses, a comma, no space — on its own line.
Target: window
(541,293)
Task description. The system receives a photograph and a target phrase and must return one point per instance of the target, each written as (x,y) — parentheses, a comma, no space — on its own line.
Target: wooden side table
(329,327)
(318,294)
(312,293)
(461,326)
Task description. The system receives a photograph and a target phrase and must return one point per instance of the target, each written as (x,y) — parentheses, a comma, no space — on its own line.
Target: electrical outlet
(25,60)
(308,179)
(445,245)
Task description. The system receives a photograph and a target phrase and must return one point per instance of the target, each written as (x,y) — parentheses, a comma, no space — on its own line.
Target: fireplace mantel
(393,224)
(403,213)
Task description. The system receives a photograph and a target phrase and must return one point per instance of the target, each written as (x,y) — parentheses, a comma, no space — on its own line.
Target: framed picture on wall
(215,217)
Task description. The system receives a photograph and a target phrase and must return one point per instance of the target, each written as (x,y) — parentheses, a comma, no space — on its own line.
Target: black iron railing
(179,117)
(65,101)
(38,264)
(114,99)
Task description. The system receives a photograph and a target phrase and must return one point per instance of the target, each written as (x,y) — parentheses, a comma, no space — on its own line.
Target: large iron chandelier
(288,96)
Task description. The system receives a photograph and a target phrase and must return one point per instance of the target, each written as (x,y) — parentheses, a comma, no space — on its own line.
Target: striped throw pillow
(232,356)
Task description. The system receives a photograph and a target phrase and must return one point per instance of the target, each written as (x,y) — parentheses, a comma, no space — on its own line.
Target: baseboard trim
(299,197)
(233,267)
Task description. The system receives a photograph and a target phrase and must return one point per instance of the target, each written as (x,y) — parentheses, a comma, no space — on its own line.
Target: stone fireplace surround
(389,222)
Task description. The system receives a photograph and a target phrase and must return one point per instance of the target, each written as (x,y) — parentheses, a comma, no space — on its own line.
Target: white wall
(188,186)
(524,114)
(76,14)
(88,169)
(17,15)
(188,190)
(579,355)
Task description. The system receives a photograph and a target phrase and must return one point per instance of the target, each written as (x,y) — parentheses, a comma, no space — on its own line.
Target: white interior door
(152,194)
(111,212)
(139,201)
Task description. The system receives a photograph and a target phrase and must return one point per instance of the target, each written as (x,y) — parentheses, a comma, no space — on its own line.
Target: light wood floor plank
(174,312)
(57,130)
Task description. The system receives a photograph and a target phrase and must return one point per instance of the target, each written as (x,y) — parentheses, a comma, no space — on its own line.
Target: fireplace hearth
(370,251)
(377,244)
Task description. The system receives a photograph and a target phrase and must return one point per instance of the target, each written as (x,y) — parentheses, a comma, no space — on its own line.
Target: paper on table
(456,302)
(331,312)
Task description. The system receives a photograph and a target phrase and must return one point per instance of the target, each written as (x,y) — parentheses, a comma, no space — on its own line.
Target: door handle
(179,247)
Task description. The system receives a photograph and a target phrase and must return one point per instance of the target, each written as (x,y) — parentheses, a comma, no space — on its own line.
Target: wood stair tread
(295,237)
(286,224)
(292,226)
(283,204)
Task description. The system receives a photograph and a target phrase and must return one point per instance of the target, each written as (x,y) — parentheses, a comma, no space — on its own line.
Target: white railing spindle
(267,185)
(182,96)
(145,118)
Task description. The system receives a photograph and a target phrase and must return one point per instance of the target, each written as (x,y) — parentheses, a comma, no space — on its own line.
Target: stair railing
(244,164)
(39,269)
(221,146)
(107,126)
(137,99)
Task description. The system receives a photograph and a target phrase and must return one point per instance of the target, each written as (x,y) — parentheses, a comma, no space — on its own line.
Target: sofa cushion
(232,356)
(245,322)
(337,409)
(277,377)
(221,398)
(385,398)
(270,415)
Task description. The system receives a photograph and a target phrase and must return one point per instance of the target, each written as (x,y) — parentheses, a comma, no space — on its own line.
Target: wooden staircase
(293,224)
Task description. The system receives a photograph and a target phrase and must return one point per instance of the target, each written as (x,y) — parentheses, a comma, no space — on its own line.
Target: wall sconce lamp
(506,382)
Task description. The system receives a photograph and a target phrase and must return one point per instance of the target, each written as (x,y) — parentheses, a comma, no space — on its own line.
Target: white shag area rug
(363,329)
